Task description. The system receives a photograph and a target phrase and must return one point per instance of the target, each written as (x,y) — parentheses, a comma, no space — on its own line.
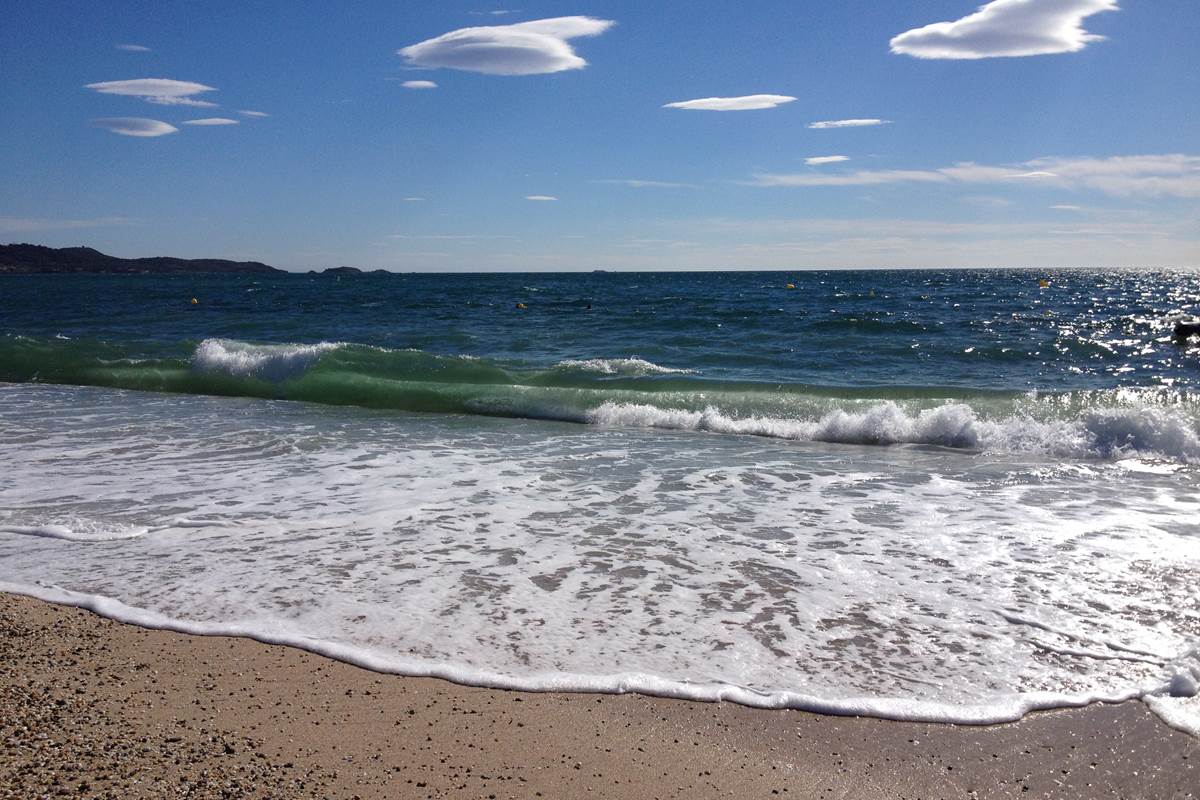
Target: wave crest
(270,362)
(624,367)
(1099,433)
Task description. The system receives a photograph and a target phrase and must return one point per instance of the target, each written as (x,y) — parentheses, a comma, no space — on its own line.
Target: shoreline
(90,707)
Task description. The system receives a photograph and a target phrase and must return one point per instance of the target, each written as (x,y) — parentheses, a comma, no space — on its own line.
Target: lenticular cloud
(527,48)
(750,102)
(1007,28)
(162,91)
(135,126)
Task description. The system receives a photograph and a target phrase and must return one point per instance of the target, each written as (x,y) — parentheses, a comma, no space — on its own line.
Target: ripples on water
(966,496)
(966,328)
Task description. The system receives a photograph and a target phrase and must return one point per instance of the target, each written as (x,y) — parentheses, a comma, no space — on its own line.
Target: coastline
(97,708)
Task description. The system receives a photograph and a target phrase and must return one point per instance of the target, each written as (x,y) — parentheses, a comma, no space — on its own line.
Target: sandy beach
(95,708)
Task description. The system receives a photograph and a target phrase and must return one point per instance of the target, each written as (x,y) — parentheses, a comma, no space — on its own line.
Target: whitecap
(271,362)
(625,367)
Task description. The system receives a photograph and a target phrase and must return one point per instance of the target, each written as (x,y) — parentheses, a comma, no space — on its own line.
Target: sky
(462,136)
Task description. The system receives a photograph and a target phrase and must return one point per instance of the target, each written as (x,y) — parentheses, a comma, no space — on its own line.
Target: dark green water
(642,349)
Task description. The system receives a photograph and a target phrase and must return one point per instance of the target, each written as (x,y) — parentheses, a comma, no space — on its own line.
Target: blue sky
(1025,133)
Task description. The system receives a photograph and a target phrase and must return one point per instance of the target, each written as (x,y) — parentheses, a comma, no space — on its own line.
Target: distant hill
(33,258)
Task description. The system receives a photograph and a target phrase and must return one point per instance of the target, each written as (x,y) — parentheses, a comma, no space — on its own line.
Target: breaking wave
(633,392)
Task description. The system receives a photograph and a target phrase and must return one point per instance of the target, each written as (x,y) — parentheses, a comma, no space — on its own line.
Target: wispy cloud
(915,242)
(986,201)
(135,126)
(541,198)
(414,199)
(255,114)
(1174,175)
(847,123)
(419,85)
(211,121)
(35,224)
(453,237)
(635,183)
(499,12)
(1007,28)
(181,101)
(657,243)
(163,91)
(133,48)
(1066,207)
(816,161)
(859,178)
(750,102)
(526,48)
(1145,175)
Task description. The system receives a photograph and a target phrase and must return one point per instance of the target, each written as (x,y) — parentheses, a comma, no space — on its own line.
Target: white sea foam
(1178,702)
(272,362)
(77,529)
(914,583)
(625,367)
(1100,433)
(1177,710)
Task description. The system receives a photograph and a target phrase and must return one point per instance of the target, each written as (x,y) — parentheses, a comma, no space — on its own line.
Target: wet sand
(94,708)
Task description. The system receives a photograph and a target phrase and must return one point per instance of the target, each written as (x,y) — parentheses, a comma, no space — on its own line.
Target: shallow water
(564,508)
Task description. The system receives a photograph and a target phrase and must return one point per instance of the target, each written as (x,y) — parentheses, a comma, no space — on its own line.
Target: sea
(943,495)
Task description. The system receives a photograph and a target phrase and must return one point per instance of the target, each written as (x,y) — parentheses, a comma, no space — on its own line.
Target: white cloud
(133,48)
(1006,28)
(750,102)
(211,121)
(135,126)
(634,183)
(162,91)
(1167,175)
(1172,175)
(541,198)
(816,161)
(926,243)
(414,199)
(526,48)
(180,101)
(419,85)
(859,178)
(255,114)
(1066,207)
(847,123)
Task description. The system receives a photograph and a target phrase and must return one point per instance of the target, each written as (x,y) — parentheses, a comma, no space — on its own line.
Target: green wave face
(351,374)
(633,393)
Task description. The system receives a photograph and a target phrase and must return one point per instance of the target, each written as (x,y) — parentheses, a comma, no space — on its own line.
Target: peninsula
(33,259)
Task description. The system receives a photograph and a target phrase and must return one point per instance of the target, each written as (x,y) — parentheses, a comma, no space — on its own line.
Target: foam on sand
(908,582)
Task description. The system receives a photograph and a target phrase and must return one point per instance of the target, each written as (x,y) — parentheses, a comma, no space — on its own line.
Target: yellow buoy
(1043,284)
(195,302)
(791,286)
(520,305)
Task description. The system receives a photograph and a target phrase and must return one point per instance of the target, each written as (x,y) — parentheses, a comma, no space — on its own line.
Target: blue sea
(942,495)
